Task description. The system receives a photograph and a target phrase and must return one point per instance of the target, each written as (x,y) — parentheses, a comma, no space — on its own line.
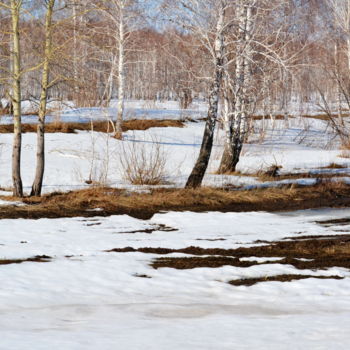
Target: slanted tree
(207,21)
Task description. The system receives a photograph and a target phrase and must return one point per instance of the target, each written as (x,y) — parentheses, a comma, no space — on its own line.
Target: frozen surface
(87,299)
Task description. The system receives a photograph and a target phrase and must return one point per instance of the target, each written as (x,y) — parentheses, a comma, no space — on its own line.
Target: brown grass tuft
(142,165)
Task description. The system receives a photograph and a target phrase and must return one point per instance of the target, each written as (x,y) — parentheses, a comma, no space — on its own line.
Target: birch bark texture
(122,16)
(236,92)
(45,85)
(16,99)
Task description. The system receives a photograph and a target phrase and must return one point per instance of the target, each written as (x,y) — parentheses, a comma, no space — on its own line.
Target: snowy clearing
(298,145)
(86,298)
(83,297)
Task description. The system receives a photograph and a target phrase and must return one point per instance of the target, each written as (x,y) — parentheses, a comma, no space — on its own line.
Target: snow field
(94,299)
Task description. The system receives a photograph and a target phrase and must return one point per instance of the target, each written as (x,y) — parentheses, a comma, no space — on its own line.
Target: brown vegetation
(310,253)
(145,205)
(279,278)
(143,166)
(304,253)
(335,166)
(99,126)
(38,258)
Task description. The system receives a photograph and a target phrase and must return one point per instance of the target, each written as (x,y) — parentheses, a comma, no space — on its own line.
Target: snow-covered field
(299,145)
(86,298)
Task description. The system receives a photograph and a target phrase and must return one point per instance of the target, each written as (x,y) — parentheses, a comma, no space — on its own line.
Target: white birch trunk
(121,75)
(40,165)
(238,121)
(75,49)
(16,100)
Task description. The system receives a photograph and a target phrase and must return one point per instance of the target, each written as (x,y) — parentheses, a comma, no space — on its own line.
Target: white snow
(72,159)
(93,299)
(4,203)
(86,298)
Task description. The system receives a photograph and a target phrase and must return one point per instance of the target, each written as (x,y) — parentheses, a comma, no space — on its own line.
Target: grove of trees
(245,56)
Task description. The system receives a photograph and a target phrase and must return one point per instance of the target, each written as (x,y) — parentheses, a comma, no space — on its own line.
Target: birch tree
(45,85)
(16,97)
(236,99)
(218,52)
(339,11)
(15,6)
(256,44)
(122,16)
(206,21)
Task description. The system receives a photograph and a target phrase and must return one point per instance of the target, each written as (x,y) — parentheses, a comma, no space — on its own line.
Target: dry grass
(143,165)
(320,116)
(279,278)
(267,117)
(38,258)
(272,174)
(335,166)
(345,149)
(70,128)
(145,205)
(310,253)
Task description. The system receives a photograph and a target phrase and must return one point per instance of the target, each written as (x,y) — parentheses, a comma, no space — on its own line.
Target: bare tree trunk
(16,101)
(75,49)
(121,78)
(198,172)
(237,124)
(40,156)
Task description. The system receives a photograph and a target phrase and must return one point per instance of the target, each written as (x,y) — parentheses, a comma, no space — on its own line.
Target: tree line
(244,55)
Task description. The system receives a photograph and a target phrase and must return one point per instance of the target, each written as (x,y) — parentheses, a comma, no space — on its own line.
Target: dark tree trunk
(198,172)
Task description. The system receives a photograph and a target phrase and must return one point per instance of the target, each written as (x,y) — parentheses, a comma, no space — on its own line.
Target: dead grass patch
(279,278)
(273,174)
(307,254)
(321,177)
(145,205)
(38,258)
(267,117)
(334,166)
(99,126)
